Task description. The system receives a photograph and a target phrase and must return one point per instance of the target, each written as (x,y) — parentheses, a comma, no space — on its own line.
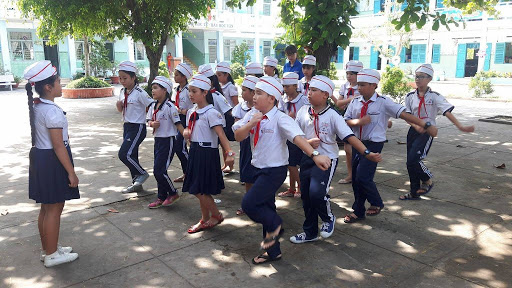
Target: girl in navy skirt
(133,104)
(164,118)
(52,177)
(247,171)
(204,131)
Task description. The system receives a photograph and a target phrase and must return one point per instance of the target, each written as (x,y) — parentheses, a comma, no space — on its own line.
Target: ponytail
(30,97)
(216,84)
(209,97)
(230,79)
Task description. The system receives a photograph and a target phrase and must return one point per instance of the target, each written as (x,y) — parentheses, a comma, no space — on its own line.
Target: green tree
(394,84)
(240,54)
(148,21)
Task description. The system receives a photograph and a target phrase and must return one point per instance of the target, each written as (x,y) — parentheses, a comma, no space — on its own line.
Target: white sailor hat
(271,86)
(201,81)
(290,78)
(270,61)
(164,82)
(39,71)
(426,68)
(127,66)
(354,66)
(323,83)
(206,70)
(250,81)
(185,69)
(368,76)
(223,67)
(254,68)
(309,60)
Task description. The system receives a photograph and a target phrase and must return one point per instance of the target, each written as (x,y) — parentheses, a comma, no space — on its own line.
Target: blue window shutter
(487,61)
(422,53)
(404,4)
(461,61)
(340,55)
(436,53)
(356,54)
(414,53)
(374,58)
(499,57)
(439,4)
(402,55)
(376,6)
(393,54)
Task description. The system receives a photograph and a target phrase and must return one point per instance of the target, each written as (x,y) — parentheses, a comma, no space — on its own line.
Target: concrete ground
(458,236)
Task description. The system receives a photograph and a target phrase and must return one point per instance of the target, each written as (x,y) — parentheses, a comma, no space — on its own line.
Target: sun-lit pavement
(458,236)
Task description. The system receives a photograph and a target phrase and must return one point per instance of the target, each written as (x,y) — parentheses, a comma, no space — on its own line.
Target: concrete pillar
(257,48)
(483,42)
(72,55)
(220,46)
(178,42)
(4,42)
(131,55)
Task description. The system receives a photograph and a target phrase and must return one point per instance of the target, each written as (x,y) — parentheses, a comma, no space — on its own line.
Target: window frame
(23,43)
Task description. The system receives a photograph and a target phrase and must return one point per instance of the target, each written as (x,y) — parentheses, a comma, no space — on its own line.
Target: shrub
(162,70)
(480,84)
(239,81)
(394,84)
(87,82)
(237,70)
(78,75)
(332,73)
(280,69)
(17,79)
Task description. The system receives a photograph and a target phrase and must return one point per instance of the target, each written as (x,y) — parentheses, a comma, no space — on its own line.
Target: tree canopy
(148,21)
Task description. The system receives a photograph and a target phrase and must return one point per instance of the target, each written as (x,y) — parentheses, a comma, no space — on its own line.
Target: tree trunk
(154,57)
(86,56)
(323,56)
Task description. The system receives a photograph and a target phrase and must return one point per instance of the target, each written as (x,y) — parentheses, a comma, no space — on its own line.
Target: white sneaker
(302,238)
(65,249)
(132,188)
(58,258)
(139,180)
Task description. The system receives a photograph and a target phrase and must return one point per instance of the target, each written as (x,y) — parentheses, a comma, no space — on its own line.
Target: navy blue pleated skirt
(48,180)
(247,171)
(204,175)
(295,154)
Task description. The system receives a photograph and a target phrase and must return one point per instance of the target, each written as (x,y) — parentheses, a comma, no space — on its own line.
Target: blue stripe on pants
(163,158)
(418,146)
(180,146)
(133,135)
(259,202)
(315,184)
(363,171)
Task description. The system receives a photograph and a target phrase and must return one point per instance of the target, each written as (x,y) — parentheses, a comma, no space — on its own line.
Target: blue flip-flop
(426,187)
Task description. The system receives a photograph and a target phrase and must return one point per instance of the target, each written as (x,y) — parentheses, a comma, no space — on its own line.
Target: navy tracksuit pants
(363,171)
(163,158)
(133,135)
(315,185)
(259,202)
(418,146)
(180,146)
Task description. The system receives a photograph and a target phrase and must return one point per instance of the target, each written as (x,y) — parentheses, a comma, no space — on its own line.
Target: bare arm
(224,143)
(62,155)
(457,124)
(235,100)
(323,162)
(432,130)
(119,106)
(243,132)
(359,122)
(180,128)
(360,147)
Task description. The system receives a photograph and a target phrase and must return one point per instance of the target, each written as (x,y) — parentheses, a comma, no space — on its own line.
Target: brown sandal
(351,219)
(373,211)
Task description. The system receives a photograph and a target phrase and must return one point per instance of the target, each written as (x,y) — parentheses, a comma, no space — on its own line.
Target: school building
(209,40)
(484,43)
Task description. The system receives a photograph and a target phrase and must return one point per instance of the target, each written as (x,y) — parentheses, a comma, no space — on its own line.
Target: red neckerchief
(213,90)
(350,92)
(178,98)
(364,109)
(422,101)
(256,131)
(37,101)
(306,88)
(316,123)
(192,122)
(153,118)
(291,105)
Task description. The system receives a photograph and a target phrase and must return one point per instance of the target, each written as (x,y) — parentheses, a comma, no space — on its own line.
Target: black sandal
(409,196)
(266,258)
(270,239)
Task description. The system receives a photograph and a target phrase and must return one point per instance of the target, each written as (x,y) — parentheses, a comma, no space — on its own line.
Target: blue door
(461,61)
(487,62)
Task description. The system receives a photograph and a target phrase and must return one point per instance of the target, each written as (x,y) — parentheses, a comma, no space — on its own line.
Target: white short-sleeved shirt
(168,116)
(220,103)
(138,101)
(271,149)
(229,90)
(240,110)
(185,102)
(329,124)
(208,118)
(47,115)
(380,110)
(345,88)
(295,104)
(435,104)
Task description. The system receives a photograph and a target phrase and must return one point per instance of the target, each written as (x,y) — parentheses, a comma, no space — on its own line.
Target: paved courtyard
(458,236)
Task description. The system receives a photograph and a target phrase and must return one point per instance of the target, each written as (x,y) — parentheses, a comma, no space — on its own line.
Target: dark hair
(39,87)
(308,66)
(132,75)
(290,49)
(167,94)
(183,75)
(257,75)
(276,72)
(230,79)
(209,96)
(215,84)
